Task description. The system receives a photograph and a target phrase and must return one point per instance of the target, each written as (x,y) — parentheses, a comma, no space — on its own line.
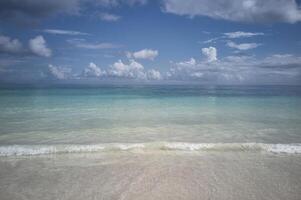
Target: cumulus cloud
(122,70)
(153,74)
(187,63)
(132,70)
(144,54)
(241,34)
(109,17)
(256,11)
(281,61)
(93,71)
(278,68)
(64,32)
(81,43)
(210,53)
(38,46)
(243,46)
(9,45)
(59,73)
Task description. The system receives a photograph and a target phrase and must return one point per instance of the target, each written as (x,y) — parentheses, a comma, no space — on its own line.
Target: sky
(150,41)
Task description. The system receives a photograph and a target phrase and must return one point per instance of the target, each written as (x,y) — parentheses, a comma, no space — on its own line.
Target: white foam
(80,148)
(188,146)
(284,148)
(26,150)
(273,148)
(19,150)
(130,146)
(213,146)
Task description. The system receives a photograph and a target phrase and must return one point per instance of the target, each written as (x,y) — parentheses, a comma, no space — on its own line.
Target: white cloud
(243,46)
(133,70)
(238,59)
(186,64)
(153,75)
(109,17)
(257,11)
(59,73)
(197,74)
(277,68)
(210,53)
(233,35)
(241,34)
(212,40)
(128,54)
(38,46)
(98,46)
(9,45)
(117,71)
(93,71)
(64,32)
(121,70)
(81,43)
(283,60)
(144,54)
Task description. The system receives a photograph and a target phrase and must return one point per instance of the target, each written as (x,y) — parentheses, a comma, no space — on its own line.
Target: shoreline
(30,150)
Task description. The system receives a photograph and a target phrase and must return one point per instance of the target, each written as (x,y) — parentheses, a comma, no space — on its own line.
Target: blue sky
(143,41)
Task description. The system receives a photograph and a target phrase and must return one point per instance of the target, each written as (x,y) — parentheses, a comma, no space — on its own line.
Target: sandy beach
(152,175)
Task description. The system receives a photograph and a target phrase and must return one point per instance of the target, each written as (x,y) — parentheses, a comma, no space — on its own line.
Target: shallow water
(132,114)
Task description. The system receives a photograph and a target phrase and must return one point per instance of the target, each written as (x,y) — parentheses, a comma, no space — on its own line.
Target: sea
(150,142)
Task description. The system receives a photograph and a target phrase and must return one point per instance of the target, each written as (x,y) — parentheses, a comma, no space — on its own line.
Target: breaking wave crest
(20,150)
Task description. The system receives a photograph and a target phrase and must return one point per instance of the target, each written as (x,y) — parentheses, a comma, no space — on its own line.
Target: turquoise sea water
(150,114)
(151,142)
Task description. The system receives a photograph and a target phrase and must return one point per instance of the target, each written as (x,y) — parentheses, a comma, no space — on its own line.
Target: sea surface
(151,142)
(185,117)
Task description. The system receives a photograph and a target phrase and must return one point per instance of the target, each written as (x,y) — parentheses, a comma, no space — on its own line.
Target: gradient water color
(178,116)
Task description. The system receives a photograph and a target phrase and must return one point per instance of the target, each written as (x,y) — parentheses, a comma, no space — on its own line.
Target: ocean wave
(274,148)
(21,150)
